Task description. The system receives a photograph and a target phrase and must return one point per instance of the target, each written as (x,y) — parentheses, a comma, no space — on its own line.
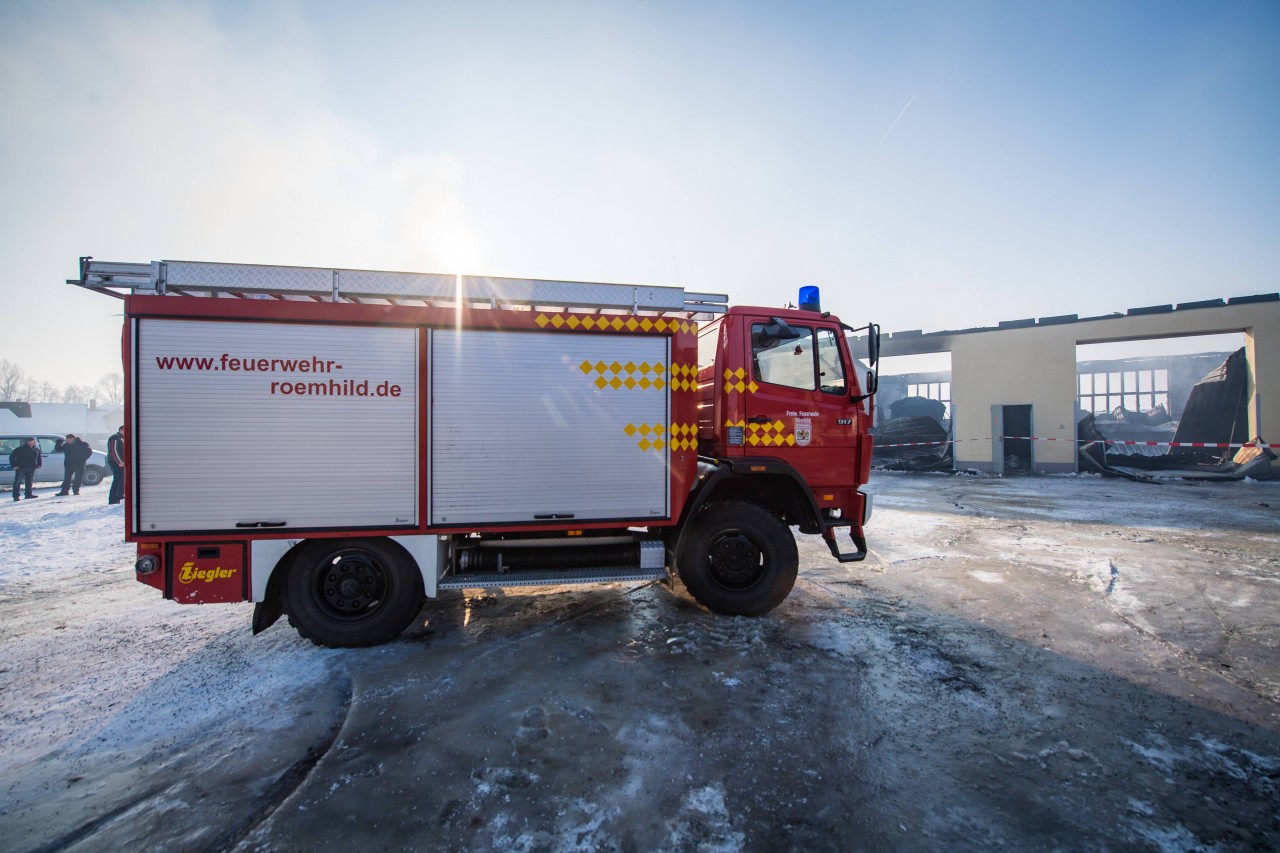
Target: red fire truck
(337,445)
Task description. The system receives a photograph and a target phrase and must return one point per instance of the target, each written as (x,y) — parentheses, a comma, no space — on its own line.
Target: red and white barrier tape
(1084,441)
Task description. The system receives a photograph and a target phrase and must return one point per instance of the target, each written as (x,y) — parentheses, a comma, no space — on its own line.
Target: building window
(1134,390)
(940,391)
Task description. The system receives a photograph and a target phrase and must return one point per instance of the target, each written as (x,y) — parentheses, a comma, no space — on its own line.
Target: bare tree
(110,389)
(77,394)
(12,380)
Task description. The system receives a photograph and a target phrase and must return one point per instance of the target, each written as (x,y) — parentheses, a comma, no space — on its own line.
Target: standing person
(115,458)
(75,453)
(25,459)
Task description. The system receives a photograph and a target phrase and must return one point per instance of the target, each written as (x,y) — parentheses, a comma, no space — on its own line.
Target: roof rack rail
(196,278)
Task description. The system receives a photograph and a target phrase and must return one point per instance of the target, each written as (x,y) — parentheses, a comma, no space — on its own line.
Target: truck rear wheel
(739,559)
(352,592)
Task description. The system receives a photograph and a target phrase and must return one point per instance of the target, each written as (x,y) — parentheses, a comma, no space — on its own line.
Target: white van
(51,471)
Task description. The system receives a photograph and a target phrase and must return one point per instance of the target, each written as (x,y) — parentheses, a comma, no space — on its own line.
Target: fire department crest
(804,431)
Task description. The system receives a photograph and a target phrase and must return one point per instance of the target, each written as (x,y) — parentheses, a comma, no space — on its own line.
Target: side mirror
(873,344)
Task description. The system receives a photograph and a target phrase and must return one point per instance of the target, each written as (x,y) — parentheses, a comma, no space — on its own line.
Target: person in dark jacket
(75,453)
(25,459)
(115,458)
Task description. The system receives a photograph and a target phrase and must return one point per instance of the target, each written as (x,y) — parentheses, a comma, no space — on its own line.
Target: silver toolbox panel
(242,423)
(542,426)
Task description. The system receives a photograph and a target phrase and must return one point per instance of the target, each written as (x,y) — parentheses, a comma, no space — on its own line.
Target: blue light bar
(809,299)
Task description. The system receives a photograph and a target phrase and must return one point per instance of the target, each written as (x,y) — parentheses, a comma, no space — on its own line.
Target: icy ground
(1026,663)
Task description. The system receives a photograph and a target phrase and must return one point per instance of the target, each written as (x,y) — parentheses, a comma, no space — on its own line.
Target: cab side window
(48,445)
(782,354)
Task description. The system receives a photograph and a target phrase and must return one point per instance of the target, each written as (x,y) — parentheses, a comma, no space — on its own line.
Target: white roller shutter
(247,423)
(533,426)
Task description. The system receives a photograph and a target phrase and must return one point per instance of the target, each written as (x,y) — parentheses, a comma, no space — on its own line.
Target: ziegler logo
(190,574)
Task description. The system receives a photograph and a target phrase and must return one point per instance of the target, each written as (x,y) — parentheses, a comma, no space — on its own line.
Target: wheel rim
(352,585)
(736,561)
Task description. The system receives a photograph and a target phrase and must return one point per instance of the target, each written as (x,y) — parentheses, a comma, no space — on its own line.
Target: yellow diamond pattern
(617,375)
(767,434)
(679,436)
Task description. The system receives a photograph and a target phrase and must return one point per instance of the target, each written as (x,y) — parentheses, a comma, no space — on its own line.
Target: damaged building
(1017,399)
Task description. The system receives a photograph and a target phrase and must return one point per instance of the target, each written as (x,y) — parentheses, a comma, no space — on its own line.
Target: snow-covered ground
(100,642)
(1019,660)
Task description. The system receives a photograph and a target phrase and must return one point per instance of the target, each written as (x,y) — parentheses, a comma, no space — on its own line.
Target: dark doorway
(1013,424)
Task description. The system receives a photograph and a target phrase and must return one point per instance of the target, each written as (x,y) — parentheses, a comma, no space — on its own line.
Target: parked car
(95,470)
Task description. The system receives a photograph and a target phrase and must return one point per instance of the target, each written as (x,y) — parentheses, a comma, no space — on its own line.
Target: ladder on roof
(195,278)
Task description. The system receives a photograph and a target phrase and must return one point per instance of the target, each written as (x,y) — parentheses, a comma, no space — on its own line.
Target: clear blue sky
(930,165)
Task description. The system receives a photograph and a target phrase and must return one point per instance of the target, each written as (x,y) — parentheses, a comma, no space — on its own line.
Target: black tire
(346,593)
(93,475)
(738,559)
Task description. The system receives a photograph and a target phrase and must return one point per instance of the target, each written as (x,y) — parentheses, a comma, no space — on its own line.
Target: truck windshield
(830,368)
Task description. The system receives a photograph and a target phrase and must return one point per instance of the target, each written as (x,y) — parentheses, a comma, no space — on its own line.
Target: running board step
(605,574)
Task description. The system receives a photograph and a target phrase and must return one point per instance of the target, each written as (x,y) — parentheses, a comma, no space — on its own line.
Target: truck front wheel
(738,559)
(352,592)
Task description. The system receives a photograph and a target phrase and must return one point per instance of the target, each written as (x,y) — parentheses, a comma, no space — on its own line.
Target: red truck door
(794,400)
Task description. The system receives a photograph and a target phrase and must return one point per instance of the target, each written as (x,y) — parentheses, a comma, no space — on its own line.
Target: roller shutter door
(529,426)
(237,424)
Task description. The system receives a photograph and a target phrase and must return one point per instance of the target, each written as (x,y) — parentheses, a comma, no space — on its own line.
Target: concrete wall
(1034,364)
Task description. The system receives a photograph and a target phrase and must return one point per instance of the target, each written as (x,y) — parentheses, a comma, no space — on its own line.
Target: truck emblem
(804,431)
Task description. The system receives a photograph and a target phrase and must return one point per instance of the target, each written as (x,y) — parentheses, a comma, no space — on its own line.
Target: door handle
(759,419)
